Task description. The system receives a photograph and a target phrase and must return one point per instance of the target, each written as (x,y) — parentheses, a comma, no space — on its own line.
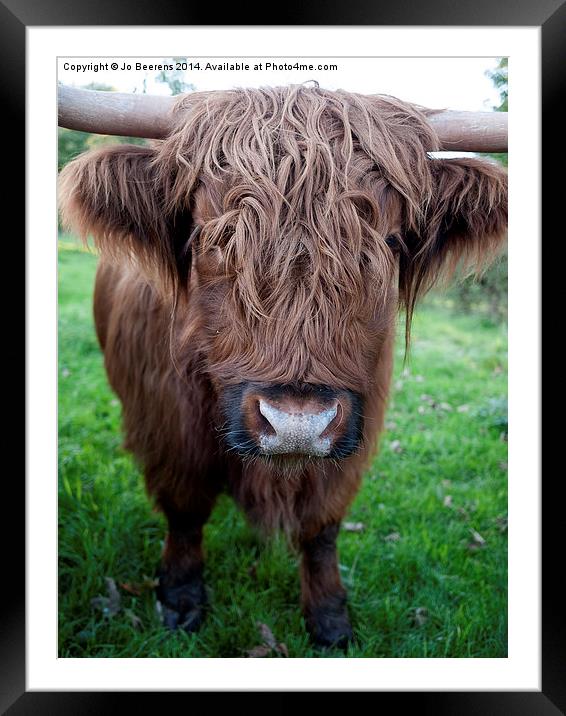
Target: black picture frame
(15,16)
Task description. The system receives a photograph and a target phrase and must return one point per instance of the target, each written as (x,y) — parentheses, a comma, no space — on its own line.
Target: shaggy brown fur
(269,239)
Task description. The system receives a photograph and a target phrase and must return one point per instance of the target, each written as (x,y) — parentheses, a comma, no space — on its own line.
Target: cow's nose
(296,427)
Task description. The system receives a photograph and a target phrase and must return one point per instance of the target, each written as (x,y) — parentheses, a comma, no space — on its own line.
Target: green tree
(488,293)
(176,78)
(71,143)
(499,77)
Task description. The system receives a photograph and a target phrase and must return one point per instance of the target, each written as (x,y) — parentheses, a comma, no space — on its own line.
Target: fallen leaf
(393,537)
(477,537)
(266,635)
(269,644)
(136,621)
(113,593)
(137,588)
(259,651)
(501,522)
(395,445)
(429,400)
(478,541)
(447,502)
(353,526)
(131,588)
(110,605)
(420,616)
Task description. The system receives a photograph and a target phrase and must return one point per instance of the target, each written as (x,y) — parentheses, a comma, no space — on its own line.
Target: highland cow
(252,267)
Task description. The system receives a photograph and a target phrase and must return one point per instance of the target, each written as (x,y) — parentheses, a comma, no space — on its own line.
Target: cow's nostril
(263,422)
(335,422)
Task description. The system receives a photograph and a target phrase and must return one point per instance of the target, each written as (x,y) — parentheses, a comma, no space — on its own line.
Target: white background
(456,83)
(521,670)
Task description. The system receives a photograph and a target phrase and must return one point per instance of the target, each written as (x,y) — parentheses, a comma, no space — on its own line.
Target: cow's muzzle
(304,419)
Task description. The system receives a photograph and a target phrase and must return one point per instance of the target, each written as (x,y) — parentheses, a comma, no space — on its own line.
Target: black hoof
(182,605)
(329,624)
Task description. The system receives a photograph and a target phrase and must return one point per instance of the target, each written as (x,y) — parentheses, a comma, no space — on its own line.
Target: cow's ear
(118,196)
(463,223)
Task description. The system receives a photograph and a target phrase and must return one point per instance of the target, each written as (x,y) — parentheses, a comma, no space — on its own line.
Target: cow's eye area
(393,241)
(194,236)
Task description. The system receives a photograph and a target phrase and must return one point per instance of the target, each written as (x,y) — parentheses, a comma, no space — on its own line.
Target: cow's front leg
(181,588)
(323,595)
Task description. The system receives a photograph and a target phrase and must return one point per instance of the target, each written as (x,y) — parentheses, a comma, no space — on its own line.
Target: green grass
(441,475)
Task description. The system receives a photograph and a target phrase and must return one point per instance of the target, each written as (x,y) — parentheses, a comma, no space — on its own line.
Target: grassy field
(427,575)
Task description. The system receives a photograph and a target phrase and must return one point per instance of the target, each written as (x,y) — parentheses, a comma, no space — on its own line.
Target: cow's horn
(143,115)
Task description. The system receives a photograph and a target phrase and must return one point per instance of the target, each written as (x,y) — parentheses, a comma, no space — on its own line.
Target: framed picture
(498,681)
